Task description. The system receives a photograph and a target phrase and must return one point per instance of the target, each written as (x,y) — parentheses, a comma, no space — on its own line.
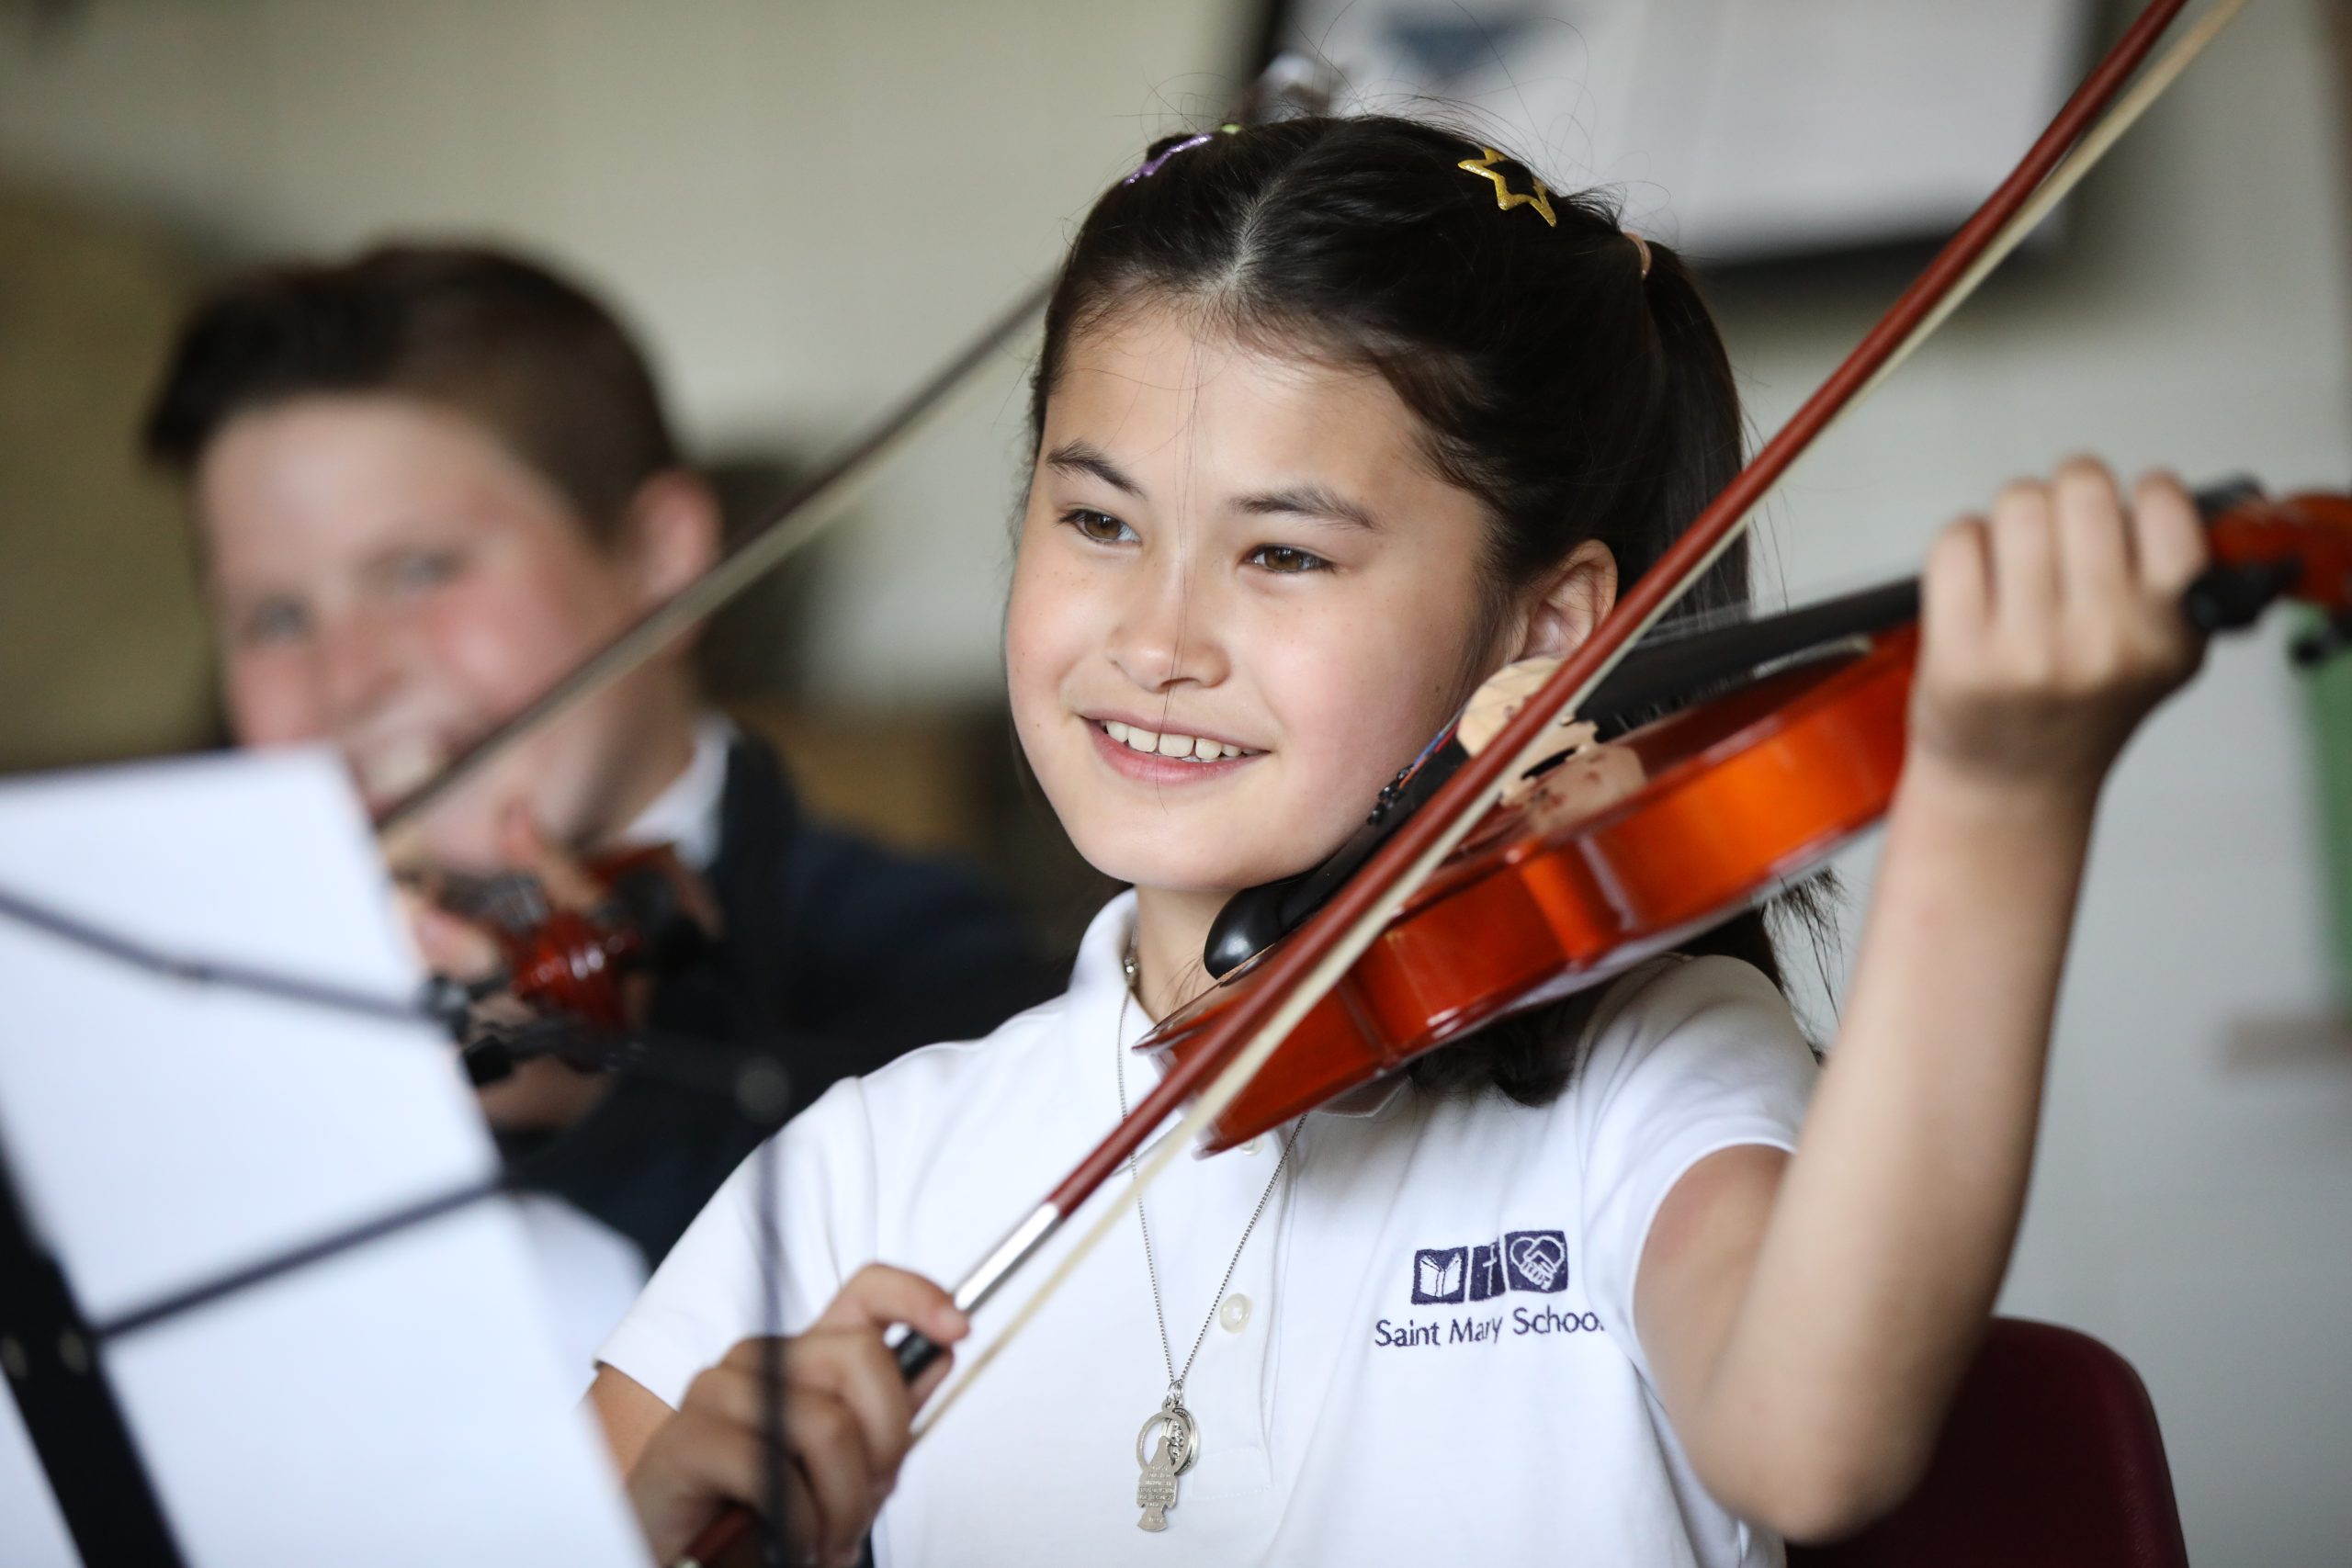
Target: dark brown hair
(533,359)
(1576,398)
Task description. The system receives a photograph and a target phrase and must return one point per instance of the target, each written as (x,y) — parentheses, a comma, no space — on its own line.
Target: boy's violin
(1631,845)
(571,965)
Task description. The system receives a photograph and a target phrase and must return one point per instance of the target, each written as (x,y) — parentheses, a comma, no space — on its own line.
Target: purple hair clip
(1150,167)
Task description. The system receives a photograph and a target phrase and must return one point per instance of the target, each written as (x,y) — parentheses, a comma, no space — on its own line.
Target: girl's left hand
(2048,630)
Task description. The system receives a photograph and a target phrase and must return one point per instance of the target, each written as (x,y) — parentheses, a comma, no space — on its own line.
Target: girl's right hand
(848,1419)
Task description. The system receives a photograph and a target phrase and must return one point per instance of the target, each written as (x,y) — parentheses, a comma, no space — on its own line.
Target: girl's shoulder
(1678,1040)
(1687,1037)
(1677,989)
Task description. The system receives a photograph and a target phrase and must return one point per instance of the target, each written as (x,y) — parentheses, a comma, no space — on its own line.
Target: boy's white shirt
(685,813)
(1429,1356)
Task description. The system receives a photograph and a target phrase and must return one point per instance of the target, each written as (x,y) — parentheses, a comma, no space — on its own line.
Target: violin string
(1318,980)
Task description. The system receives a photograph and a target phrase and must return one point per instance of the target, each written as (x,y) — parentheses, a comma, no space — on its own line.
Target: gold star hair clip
(1505,198)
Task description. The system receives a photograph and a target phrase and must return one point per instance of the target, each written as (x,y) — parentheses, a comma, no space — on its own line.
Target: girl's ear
(1574,599)
(673,533)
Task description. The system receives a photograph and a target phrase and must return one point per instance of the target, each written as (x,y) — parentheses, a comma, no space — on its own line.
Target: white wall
(805,205)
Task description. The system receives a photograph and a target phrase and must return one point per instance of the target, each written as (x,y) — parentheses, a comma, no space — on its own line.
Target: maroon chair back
(2050,1459)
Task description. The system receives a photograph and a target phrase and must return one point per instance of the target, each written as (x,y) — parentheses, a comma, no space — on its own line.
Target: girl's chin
(1209,874)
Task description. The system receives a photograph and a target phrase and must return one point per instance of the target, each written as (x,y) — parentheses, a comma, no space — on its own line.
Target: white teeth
(1189,748)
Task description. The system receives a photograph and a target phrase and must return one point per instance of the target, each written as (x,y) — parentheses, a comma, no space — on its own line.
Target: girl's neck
(1171,931)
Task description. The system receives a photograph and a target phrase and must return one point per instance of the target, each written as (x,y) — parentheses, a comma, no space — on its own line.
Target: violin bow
(1300,971)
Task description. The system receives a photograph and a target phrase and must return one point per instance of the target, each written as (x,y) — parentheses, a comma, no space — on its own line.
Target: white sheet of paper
(397,1405)
(1733,130)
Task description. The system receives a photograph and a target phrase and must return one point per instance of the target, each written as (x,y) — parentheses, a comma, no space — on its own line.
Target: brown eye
(1099,526)
(1286,559)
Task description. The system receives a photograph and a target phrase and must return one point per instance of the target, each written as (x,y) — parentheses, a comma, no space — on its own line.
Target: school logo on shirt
(1519,1262)
(1538,1260)
(1438,1274)
(1522,1260)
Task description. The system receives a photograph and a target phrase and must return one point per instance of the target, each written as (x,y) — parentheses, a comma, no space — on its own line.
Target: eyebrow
(1297,501)
(1309,501)
(1082,457)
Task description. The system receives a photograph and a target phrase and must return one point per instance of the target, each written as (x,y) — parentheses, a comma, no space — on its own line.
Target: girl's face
(1242,601)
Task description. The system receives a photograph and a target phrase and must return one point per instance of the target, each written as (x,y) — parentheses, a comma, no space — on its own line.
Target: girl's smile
(1151,757)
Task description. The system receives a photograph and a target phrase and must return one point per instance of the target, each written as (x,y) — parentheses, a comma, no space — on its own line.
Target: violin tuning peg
(2226,495)
(2224,598)
(2321,642)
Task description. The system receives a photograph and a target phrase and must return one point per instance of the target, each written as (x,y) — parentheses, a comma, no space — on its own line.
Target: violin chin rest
(1252,921)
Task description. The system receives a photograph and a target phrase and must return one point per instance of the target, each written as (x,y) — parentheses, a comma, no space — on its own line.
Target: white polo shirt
(1426,1354)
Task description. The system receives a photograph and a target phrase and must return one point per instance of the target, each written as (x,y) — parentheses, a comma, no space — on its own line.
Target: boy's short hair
(533,359)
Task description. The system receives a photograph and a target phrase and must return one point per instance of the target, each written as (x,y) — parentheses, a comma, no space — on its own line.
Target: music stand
(198,1390)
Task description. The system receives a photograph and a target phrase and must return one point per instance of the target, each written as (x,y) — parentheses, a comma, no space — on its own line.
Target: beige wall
(104,651)
(805,205)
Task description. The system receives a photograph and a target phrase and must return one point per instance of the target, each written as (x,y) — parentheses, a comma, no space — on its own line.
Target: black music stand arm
(57,1371)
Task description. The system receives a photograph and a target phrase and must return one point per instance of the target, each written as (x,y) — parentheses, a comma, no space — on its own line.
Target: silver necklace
(1178,1446)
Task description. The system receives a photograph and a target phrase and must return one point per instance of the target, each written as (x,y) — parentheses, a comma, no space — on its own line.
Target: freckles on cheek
(1046,632)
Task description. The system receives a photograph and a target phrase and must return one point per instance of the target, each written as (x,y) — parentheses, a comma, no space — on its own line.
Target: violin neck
(1659,676)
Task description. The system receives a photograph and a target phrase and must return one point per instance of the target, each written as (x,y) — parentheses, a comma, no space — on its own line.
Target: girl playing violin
(1334,419)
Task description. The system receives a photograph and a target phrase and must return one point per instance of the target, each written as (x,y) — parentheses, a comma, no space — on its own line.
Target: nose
(1169,632)
(354,667)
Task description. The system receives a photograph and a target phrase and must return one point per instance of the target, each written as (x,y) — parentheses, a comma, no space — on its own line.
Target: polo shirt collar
(685,813)
(1100,1005)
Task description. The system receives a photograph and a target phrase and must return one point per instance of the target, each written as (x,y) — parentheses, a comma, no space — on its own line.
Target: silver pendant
(1176,1450)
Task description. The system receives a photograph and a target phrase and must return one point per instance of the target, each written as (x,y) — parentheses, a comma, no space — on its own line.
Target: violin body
(1735,797)
(571,962)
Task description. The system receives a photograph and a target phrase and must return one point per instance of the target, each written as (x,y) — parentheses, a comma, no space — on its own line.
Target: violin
(572,964)
(1677,825)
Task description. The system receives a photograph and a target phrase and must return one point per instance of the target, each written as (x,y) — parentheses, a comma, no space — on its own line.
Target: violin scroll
(2298,547)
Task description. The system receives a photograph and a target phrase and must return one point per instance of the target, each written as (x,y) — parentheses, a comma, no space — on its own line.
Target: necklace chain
(1151,1266)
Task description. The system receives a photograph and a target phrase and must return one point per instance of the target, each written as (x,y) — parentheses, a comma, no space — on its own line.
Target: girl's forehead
(1165,382)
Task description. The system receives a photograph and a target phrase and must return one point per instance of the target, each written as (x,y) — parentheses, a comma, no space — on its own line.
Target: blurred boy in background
(428,480)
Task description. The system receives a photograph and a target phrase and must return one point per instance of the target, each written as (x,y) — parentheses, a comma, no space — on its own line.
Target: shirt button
(1250,1147)
(1235,1313)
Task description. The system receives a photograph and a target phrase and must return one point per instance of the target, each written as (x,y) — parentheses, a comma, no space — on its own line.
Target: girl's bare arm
(1808,1316)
